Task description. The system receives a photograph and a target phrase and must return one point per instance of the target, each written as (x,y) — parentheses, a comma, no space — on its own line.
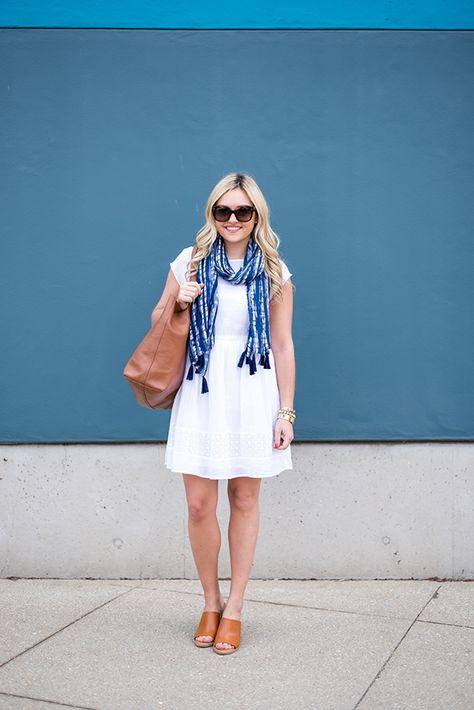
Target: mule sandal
(208,626)
(228,632)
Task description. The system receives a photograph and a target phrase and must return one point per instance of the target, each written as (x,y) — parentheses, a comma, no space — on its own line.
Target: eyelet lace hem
(220,445)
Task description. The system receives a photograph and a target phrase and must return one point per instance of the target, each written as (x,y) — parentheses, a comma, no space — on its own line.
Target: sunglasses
(223,214)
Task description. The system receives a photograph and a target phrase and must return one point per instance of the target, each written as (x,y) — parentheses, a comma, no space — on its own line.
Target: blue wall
(362,142)
(388,14)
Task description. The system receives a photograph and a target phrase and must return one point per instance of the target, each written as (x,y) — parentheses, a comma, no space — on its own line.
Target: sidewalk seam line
(444,623)
(58,631)
(49,702)
(291,606)
(390,656)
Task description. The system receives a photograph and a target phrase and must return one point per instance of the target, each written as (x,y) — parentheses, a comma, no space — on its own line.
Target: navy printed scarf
(204,308)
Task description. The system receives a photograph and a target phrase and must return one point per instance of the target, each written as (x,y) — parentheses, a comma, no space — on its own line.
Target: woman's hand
(188,292)
(283,434)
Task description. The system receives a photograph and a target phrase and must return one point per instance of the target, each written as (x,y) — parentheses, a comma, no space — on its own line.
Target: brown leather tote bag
(155,371)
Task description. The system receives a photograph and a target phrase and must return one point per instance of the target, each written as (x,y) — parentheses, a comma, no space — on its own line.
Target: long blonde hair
(266,238)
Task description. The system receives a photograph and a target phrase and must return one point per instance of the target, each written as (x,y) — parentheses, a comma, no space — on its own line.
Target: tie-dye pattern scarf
(204,308)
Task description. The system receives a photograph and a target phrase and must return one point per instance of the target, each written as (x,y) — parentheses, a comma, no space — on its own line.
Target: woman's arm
(171,287)
(281,317)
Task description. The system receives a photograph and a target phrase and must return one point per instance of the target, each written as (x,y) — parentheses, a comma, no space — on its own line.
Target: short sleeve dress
(228,431)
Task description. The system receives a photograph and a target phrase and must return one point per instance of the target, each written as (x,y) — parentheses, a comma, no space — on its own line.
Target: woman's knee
(201,497)
(200,508)
(243,498)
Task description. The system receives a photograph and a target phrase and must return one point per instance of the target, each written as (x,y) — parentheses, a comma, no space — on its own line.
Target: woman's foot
(231,611)
(219,606)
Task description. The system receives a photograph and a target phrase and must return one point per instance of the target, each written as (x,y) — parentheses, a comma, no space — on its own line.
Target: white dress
(228,431)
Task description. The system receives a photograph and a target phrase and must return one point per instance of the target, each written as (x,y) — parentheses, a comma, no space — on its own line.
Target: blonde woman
(233,415)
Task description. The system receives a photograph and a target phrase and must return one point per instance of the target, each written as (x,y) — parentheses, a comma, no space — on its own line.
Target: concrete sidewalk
(126,644)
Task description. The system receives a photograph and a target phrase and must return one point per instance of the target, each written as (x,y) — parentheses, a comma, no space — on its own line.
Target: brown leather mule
(228,632)
(208,626)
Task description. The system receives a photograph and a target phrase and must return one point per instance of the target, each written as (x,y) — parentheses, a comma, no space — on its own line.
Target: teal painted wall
(362,142)
(337,14)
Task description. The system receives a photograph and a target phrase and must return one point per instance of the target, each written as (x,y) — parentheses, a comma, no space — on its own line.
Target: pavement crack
(58,631)
(290,605)
(390,656)
(45,700)
(443,623)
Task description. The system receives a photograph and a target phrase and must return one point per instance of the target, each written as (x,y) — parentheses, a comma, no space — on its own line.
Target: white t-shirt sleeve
(180,264)
(285,272)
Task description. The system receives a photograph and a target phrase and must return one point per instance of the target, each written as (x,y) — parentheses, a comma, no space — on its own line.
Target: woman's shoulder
(185,253)
(180,263)
(286,273)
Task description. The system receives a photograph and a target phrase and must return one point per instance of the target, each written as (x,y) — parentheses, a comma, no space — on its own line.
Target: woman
(233,415)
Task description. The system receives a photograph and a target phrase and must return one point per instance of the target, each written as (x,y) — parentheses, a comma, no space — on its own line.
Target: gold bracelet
(288,417)
(287,413)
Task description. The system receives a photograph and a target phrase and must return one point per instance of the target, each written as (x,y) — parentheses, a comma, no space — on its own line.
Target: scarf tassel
(189,376)
(252,364)
(199,364)
(250,361)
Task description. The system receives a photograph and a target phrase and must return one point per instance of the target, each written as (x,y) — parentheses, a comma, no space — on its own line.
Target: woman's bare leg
(205,537)
(244,524)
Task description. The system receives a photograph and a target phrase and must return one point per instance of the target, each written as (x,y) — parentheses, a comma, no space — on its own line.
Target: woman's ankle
(234,605)
(214,602)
